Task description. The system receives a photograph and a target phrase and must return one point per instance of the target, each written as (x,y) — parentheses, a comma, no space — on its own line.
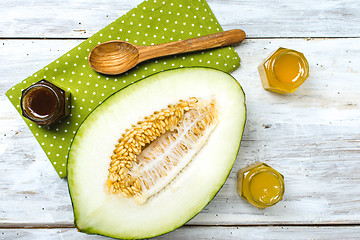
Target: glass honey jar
(260,185)
(44,103)
(284,71)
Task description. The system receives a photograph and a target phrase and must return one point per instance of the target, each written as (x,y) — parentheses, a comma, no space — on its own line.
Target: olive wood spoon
(115,57)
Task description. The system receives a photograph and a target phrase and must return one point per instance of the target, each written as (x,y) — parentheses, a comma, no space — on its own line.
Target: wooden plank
(270,233)
(311,136)
(268,18)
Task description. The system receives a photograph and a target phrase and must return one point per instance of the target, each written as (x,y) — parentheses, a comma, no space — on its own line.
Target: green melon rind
(89,122)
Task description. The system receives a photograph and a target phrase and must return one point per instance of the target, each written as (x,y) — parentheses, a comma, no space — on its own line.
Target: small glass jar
(284,71)
(44,103)
(260,185)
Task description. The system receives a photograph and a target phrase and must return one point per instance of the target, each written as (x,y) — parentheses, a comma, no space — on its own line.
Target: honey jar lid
(261,185)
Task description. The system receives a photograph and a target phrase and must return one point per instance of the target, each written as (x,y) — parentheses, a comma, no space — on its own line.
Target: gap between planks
(249,38)
(65,225)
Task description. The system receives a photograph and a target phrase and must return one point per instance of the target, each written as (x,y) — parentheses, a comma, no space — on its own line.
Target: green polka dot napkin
(151,22)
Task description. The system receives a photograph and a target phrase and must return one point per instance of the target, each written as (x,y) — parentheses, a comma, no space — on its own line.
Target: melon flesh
(99,212)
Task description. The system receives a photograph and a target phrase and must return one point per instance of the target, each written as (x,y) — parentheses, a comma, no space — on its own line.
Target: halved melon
(154,154)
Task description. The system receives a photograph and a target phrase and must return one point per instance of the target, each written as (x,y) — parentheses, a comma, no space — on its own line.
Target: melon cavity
(155,153)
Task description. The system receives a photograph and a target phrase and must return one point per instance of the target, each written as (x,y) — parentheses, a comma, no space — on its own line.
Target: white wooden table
(311,136)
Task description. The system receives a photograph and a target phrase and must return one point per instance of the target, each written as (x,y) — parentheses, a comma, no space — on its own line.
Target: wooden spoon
(115,57)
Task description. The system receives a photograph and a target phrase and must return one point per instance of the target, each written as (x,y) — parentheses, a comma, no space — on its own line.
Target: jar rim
(282,52)
(55,92)
(277,176)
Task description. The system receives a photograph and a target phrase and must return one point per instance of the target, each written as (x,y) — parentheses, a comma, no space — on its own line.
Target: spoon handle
(200,43)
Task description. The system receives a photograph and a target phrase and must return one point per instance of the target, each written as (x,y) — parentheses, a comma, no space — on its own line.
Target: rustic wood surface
(231,233)
(311,136)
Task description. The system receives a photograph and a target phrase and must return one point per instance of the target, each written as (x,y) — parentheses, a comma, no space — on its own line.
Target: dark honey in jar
(44,103)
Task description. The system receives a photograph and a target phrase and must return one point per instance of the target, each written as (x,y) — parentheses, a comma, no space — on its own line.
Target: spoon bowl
(116,57)
(113,57)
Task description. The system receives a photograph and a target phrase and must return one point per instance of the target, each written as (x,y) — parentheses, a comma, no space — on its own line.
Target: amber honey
(284,71)
(260,185)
